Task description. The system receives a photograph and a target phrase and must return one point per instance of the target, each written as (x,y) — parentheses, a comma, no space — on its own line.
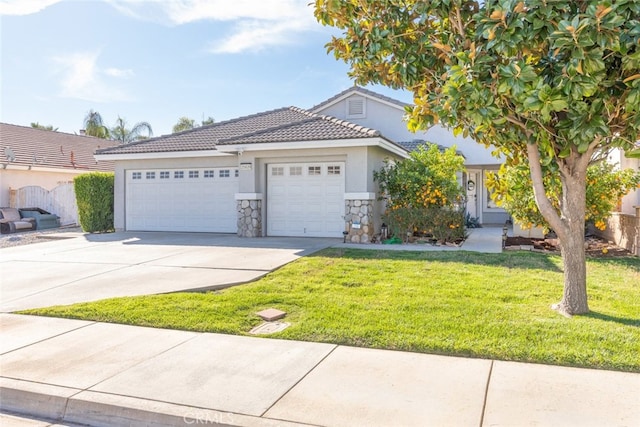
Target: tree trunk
(573,206)
(569,225)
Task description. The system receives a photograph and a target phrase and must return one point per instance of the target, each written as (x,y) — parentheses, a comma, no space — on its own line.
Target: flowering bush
(423,195)
(512,190)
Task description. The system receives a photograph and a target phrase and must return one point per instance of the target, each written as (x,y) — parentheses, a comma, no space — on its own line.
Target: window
(136,175)
(277,171)
(333,170)
(193,174)
(295,170)
(224,173)
(209,174)
(151,175)
(178,174)
(236,173)
(315,170)
(165,175)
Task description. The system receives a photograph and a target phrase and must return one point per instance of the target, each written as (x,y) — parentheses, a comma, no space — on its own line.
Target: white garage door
(196,199)
(305,199)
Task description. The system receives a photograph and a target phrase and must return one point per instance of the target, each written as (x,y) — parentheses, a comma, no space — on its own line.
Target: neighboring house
(367,108)
(41,158)
(286,172)
(629,202)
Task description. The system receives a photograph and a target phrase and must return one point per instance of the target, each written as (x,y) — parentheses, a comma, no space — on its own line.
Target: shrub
(423,194)
(94,196)
(606,185)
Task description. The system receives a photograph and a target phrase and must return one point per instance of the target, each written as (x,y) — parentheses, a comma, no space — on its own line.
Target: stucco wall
(389,120)
(631,200)
(16,179)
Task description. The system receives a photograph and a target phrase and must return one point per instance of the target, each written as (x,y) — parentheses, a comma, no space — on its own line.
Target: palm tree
(121,133)
(37,125)
(184,123)
(94,126)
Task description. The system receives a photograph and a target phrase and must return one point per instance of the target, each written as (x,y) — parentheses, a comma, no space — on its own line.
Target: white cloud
(119,72)
(82,78)
(258,24)
(24,7)
(256,35)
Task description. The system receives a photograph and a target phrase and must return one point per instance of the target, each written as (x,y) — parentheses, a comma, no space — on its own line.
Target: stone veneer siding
(249,218)
(359,211)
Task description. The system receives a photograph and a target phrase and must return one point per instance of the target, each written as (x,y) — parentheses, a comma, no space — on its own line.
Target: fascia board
(161,155)
(337,143)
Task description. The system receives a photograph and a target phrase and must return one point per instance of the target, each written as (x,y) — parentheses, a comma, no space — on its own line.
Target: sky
(159,60)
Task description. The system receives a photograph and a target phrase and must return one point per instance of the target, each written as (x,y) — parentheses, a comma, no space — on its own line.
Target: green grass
(456,303)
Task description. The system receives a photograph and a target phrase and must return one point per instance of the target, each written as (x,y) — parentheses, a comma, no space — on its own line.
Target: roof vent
(356,108)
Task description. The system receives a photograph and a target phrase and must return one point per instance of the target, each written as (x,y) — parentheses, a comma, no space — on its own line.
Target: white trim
(161,155)
(249,196)
(359,196)
(70,171)
(334,143)
(232,150)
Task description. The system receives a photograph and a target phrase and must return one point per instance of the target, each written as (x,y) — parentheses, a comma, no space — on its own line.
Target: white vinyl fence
(60,201)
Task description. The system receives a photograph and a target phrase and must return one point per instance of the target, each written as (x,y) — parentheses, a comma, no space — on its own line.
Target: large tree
(549,81)
(125,135)
(94,125)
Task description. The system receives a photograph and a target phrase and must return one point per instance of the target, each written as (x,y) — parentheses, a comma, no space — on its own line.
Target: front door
(473,188)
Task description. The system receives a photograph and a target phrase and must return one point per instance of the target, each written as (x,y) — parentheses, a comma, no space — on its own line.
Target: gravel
(36,236)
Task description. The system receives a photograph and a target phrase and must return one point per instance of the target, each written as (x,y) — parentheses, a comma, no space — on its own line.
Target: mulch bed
(596,246)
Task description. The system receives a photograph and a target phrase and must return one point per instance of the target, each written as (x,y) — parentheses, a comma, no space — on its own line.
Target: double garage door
(303,199)
(199,199)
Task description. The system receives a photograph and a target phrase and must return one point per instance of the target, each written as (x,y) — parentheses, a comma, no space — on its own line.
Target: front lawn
(456,303)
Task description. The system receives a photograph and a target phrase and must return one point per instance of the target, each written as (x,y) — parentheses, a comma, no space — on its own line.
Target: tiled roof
(26,146)
(362,91)
(283,125)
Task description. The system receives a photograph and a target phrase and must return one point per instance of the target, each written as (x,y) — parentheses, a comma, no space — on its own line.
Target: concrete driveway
(90,267)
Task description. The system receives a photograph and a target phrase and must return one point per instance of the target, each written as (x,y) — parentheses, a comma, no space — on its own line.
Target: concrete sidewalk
(99,374)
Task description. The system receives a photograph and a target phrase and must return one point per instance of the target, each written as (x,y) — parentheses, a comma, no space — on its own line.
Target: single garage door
(305,199)
(193,199)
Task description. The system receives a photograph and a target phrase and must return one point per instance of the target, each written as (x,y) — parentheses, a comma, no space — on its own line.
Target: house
(44,160)
(285,172)
(367,108)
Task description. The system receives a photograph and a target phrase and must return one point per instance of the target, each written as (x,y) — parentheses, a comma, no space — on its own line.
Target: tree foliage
(37,125)
(94,125)
(551,82)
(512,190)
(422,193)
(125,135)
(185,123)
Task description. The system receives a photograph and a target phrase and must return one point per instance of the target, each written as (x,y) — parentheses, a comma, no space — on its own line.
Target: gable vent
(356,108)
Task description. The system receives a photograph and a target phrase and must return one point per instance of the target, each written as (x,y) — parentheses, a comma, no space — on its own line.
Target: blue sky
(156,61)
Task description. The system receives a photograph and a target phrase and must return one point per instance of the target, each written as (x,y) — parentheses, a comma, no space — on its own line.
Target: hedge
(94,196)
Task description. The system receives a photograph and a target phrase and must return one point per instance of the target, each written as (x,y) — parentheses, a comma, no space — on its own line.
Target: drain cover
(269,328)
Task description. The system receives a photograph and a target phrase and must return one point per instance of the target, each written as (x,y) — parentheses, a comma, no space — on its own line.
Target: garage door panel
(198,203)
(304,199)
